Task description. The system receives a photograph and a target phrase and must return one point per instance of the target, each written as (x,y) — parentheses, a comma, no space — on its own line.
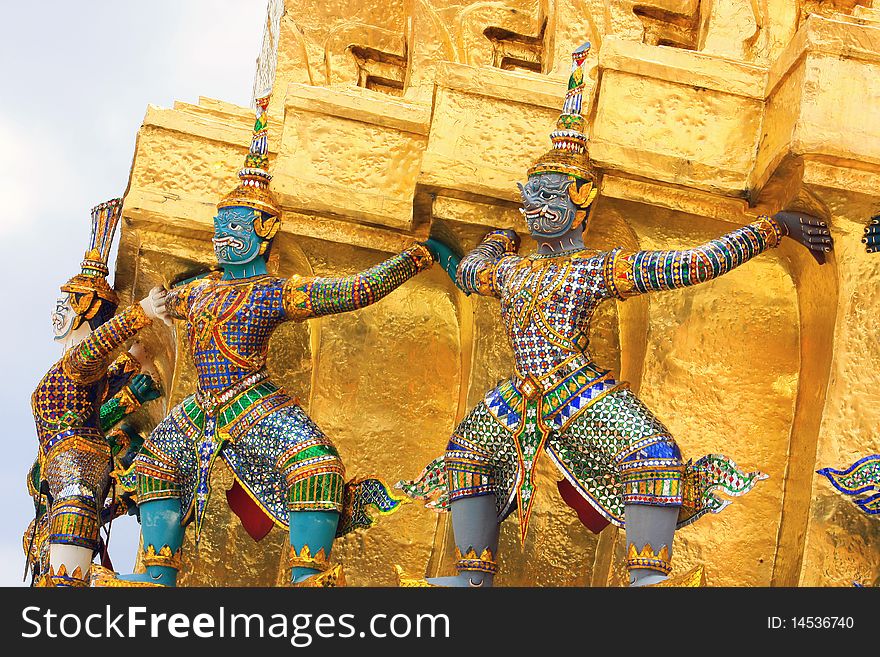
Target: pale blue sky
(77,79)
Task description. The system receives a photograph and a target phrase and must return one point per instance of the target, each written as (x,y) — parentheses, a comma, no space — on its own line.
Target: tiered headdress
(91,284)
(569,152)
(253,190)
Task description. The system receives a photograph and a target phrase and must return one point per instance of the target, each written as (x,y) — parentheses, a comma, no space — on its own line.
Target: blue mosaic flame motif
(361,497)
(861,481)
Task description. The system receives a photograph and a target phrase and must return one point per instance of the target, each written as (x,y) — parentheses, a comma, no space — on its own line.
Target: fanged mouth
(544,212)
(228,242)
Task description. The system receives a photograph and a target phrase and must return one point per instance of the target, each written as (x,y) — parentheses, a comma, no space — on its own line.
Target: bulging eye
(234,226)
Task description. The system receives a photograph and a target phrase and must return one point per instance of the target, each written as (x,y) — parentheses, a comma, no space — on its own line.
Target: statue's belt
(239,408)
(89,438)
(211,402)
(559,403)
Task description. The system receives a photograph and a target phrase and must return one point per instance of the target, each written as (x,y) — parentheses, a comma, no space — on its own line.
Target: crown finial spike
(105,219)
(253,190)
(568,154)
(258,155)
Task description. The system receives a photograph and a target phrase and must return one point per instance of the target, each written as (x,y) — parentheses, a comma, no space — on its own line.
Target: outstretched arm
(629,274)
(314,297)
(174,303)
(477,271)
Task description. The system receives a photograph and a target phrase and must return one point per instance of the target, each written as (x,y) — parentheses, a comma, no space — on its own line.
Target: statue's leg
(314,530)
(651,479)
(162,537)
(159,504)
(649,529)
(626,465)
(472,484)
(475,531)
(315,479)
(75,475)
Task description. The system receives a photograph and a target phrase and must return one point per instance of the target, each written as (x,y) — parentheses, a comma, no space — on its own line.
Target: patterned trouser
(614,453)
(284,461)
(77,470)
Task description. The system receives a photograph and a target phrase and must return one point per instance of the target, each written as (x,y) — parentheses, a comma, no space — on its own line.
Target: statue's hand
(808,230)
(443,255)
(154,305)
(871,239)
(144,388)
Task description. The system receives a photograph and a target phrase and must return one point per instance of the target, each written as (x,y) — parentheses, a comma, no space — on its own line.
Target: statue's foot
(464,580)
(63,579)
(104,577)
(694,578)
(650,580)
(331,578)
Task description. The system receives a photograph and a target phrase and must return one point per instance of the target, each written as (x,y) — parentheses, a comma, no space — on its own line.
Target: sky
(77,78)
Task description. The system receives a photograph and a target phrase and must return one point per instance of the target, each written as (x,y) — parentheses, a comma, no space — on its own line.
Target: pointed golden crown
(328,579)
(61,577)
(304,559)
(568,154)
(485,562)
(91,281)
(647,558)
(253,190)
(647,552)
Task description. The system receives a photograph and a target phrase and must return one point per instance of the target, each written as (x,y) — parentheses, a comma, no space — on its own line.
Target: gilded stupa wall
(390,119)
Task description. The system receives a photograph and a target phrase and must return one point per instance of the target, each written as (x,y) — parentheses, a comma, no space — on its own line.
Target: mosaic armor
(124,443)
(74,457)
(276,453)
(607,445)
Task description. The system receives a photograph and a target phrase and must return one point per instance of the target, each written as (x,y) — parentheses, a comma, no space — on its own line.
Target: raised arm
(477,271)
(629,274)
(87,362)
(120,373)
(314,297)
